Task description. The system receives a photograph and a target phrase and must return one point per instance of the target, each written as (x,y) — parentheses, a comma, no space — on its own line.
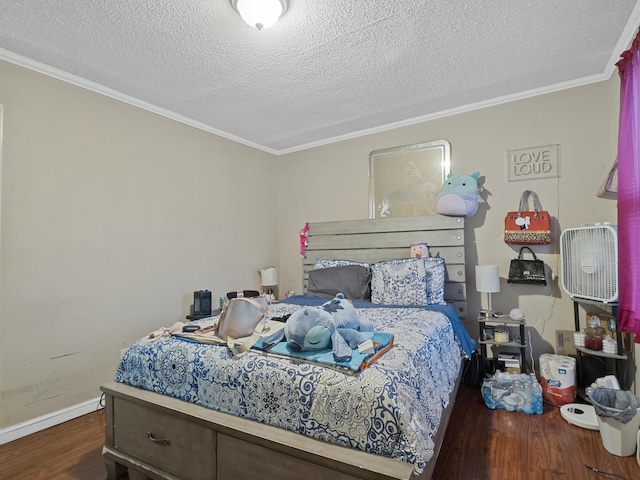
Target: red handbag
(526,227)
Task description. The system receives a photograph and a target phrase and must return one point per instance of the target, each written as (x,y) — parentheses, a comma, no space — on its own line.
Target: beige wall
(331,183)
(111,217)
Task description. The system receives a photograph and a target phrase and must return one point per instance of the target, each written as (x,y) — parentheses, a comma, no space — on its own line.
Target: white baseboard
(55,418)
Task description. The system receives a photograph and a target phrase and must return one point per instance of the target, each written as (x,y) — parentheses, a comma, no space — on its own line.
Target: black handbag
(473,373)
(527,271)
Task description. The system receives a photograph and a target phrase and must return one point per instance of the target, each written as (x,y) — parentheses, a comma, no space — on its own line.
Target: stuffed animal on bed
(459,196)
(334,325)
(419,250)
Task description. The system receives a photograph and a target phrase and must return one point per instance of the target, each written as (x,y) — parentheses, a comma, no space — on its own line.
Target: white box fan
(589,262)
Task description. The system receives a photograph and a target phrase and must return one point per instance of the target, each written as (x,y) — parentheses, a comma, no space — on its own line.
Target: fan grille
(589,262)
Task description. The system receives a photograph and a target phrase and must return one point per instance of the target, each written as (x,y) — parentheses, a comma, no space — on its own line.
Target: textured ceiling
(329,69)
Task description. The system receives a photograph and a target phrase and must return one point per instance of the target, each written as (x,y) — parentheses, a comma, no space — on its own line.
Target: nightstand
(200,317)
(487,325)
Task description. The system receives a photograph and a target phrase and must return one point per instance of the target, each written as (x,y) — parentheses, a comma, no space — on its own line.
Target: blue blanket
(391,408)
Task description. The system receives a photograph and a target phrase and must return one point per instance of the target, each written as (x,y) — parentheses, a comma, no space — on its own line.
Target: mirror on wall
(403,181)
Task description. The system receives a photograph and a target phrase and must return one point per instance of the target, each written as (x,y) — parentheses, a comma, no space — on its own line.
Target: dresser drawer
(240,460)
(162,439)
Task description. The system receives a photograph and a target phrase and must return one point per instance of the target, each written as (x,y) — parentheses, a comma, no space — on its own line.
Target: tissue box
(513,392)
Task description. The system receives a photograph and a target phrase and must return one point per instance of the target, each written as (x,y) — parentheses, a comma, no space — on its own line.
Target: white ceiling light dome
(260,13)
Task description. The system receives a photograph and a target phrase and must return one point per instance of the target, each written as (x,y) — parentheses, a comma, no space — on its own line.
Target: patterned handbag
(527,271)
(526,227)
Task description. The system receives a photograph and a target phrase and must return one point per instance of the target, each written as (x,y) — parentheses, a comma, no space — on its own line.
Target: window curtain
(629,191)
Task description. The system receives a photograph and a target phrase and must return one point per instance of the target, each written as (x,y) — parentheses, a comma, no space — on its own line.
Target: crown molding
(66,77)
(625,39)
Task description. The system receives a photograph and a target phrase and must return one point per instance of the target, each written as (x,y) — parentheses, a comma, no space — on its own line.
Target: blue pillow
(408,281)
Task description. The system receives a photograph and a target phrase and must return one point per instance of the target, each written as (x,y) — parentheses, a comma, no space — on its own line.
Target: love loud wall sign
(533,163)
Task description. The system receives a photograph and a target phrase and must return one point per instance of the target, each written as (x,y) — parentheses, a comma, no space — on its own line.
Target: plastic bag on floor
(619,404)
(514,392)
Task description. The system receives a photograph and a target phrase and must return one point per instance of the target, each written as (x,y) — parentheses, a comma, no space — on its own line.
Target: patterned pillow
(437,271)
(408,281)
(322,263)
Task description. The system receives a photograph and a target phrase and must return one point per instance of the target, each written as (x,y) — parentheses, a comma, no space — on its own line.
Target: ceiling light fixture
(260,13)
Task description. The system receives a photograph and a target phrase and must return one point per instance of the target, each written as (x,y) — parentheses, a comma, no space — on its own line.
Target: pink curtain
(629,191)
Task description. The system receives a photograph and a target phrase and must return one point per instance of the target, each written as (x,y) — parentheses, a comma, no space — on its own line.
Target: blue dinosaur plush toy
(334,325)
(459,196)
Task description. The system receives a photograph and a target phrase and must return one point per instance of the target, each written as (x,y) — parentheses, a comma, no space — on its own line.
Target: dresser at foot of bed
(159,437)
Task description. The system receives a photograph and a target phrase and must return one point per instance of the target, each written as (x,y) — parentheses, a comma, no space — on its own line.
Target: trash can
(618,414)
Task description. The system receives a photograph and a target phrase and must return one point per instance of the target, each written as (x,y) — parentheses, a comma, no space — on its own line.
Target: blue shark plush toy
(334,325)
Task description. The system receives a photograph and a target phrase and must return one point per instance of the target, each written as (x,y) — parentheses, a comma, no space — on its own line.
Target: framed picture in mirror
(403,181)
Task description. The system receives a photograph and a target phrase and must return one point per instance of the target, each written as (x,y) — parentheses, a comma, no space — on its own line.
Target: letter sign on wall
(533,163)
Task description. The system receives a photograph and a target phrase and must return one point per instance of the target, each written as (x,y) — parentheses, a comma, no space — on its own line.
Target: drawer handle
(164,441)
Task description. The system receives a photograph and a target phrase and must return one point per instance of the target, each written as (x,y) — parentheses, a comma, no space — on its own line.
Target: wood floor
(496,444)
(480,444)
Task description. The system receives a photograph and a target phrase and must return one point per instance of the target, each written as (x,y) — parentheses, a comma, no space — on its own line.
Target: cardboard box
(564,343)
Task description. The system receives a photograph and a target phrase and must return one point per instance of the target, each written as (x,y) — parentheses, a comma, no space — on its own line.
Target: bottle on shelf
(594,334)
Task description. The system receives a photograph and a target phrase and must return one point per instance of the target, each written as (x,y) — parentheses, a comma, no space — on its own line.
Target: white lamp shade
(260,13)
(487,278)
(268,276)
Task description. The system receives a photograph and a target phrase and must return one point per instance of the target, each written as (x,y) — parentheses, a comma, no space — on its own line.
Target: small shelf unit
(510,323)
(620,364)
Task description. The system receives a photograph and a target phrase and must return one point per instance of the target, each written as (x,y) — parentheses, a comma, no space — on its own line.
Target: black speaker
(202,302)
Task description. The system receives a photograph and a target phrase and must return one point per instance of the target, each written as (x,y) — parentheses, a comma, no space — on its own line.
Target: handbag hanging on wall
(526,227)
(527,271)
(609,188)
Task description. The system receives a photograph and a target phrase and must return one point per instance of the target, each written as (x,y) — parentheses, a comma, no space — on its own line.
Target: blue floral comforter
(391,408)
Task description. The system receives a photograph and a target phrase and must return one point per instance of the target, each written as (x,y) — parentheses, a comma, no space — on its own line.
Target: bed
(181,409)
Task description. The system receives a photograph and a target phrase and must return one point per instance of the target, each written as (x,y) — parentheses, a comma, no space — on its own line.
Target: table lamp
(488,281)
(268,280)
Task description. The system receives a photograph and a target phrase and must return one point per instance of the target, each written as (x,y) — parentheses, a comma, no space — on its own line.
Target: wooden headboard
(375,240)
